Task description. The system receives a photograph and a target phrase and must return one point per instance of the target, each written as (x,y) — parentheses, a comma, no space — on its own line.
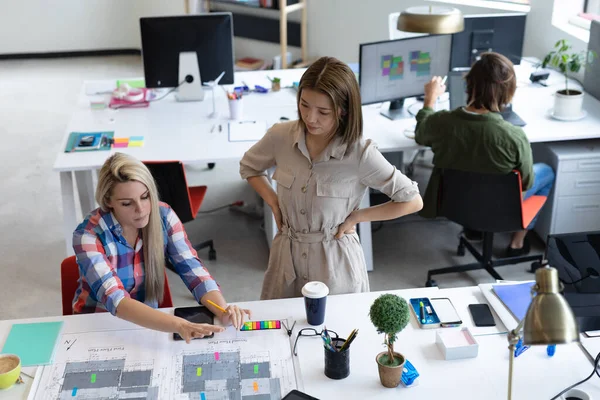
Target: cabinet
(574,202)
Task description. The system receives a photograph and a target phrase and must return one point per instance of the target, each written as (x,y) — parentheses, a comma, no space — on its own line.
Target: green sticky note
(33,343)
(199,371)
(256,368)
(134,83)
(93,378)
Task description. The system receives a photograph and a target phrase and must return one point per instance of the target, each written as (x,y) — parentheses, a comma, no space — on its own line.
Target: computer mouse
(86,140)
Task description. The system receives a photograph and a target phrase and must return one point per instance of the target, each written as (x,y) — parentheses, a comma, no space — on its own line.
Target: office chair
(69,281)
(185,200)
(489,203)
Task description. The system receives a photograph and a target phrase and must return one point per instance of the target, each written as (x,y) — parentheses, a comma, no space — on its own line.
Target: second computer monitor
(396,69)
(500,33)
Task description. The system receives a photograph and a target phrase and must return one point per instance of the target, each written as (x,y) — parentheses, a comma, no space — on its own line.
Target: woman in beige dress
(323,167)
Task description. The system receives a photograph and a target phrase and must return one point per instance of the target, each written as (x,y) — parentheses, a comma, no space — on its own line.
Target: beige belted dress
(315,197)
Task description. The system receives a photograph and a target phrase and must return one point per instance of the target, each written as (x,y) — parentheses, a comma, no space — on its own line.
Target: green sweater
(471,142)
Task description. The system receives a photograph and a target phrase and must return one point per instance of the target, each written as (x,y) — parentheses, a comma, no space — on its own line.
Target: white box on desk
(456,343)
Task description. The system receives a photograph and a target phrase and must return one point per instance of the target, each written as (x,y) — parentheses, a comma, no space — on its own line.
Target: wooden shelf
(262,28)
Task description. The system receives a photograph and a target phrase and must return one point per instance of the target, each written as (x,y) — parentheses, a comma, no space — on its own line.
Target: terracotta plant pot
(390,376)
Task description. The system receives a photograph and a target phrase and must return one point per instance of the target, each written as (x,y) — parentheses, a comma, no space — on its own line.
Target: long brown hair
(120,168)
(336,80)
(491,82)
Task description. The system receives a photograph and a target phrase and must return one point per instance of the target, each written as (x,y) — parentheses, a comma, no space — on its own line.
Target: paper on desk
(505,315)
(247,131)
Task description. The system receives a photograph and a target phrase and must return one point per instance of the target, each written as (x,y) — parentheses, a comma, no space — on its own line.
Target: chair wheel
(460,251)
(430,283)
(211,165)
(212,254)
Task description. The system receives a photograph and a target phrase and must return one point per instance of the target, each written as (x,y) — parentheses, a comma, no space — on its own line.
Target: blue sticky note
(33,343)
(136,138)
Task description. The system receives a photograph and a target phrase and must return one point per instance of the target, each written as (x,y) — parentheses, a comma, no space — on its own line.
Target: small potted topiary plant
(567,102)
(389,313)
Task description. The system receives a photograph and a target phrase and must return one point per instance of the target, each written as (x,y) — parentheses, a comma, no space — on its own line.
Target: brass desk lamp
(549,319)
(431,19)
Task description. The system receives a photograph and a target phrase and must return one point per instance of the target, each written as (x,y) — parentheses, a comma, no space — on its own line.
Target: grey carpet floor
(36,99)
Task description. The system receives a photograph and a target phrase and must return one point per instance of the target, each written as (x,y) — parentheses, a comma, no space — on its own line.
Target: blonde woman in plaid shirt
(121,250)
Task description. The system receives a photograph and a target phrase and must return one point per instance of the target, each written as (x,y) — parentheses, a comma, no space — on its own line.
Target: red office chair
(488,203)
(69,276)
(173,189)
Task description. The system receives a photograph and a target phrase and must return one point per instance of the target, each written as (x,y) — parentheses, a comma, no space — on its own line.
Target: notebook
(515,297)
(33,343)
(247,131)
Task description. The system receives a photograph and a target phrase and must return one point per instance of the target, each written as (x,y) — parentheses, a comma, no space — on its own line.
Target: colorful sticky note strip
(256,368)
(216,356)
(199,371)
(93,378)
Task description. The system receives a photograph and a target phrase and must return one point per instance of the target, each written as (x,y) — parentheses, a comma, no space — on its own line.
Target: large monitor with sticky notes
(181,51)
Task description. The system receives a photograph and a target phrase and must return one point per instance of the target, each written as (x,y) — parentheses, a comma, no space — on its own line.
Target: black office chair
(490,203)
(184,200)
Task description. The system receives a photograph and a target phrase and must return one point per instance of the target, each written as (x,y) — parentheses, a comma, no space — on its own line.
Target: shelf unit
(249,24)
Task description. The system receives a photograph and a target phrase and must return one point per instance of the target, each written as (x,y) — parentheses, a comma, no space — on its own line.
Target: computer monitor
(501,33)
(187,50)
(393,70)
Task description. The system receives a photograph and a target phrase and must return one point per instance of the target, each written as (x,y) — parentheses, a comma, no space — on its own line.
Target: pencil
(216,305)
(444,79)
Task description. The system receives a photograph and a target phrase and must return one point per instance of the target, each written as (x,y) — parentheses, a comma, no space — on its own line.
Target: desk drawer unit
(574,203)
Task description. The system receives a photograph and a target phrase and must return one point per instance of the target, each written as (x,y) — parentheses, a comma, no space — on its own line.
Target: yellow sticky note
(136,144)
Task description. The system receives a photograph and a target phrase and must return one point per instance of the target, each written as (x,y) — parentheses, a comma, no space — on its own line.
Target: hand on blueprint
(189,330)
(235,316)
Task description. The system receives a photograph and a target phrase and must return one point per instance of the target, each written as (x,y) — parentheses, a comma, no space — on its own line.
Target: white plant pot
(568,106)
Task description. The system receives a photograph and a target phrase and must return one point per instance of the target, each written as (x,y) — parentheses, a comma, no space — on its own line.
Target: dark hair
(491,82)
(335,79)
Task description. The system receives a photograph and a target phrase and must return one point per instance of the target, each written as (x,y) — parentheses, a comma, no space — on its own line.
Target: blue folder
(515,297)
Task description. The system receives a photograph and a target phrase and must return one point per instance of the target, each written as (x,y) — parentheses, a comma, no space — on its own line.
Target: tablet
(198,315)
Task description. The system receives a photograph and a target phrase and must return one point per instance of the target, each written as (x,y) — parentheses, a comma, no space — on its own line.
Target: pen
(422,312)
(217,306)
(444,79)
(348,341)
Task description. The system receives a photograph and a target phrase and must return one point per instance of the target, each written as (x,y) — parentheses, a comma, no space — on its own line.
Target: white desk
(182,131)
(537,376)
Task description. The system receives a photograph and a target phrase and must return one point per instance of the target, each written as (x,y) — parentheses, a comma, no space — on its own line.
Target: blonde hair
(120,168)
(336,80)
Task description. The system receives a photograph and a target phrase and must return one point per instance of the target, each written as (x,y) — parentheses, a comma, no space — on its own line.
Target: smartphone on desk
(482,316)
(197,315)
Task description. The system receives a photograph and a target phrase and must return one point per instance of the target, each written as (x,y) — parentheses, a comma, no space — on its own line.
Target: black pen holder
(337,363)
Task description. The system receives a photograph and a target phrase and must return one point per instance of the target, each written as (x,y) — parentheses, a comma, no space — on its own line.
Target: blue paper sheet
(33,343)
(515,297)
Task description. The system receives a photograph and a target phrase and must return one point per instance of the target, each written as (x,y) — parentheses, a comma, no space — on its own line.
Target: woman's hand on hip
(235,316)
(278,216)
(189,330)
(347,227)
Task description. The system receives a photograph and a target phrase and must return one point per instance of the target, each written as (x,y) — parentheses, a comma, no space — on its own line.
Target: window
(589,12)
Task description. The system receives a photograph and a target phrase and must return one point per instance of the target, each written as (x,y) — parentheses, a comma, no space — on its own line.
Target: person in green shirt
(475,137)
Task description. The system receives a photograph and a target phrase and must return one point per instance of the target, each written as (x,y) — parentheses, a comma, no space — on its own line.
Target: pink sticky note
(216,356)
(119,145)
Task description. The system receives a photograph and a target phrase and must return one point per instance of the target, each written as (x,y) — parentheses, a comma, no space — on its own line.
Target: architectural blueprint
(144,364)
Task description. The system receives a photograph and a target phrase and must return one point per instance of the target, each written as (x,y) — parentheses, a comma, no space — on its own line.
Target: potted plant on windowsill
(389,313)
(568,102)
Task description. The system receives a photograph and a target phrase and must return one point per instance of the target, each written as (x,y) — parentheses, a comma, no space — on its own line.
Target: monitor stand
(396,110)
(190,88)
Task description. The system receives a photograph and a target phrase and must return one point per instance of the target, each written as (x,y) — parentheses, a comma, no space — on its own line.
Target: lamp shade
(549,318)
(431,19)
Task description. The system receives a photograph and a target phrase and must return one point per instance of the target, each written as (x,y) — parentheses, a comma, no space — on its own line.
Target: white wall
(40,26)
(336,27)
(541,35)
